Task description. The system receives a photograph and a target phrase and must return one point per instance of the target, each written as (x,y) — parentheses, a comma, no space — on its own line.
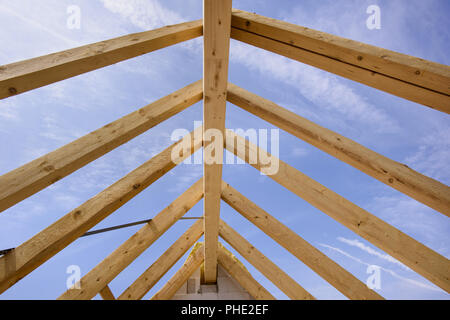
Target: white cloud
(191,173)
(369,250)
(8,110)
(325,90)
(35,24)
(391,272)
(433,155)
(299,152)
(150,14)
(144,14)
(415,219)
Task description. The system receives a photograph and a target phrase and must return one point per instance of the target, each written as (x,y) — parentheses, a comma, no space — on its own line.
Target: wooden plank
(412,253)
(408,77)
(237,270)
(424,73)
(270,270)
(120,258)
(396,175)
(216,43)
(46,170)
(373,79)
(19,77)
(31,254)
(329,270)
(159,268)
(193,262)
(107,294)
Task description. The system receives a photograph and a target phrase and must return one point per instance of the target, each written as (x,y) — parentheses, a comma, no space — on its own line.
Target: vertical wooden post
(216,31)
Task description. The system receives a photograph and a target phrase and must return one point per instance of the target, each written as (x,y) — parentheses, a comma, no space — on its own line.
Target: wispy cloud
(299,152)
(144,14)
(413,218)
(391,272)
(433,155)
(185,179)
(39,26)
(358,244)
(148,15)
(322,89)
(8,111)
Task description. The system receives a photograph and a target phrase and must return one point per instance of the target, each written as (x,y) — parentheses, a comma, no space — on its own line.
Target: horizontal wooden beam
(415,79)
(193,262)
(270,270)
(120,258)
(412,253)
(237,271)
(31,254)
(107,294)
(159,268)
(329,270)
(216,45)
(36,175)
(396,175)
(19,77)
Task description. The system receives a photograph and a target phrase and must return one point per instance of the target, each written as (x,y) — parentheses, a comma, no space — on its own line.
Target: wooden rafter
(31,254)
(159,268)
(107,294)
(272,272)
(396,175)
(216,37)
(195,259)
(415,79)
(237,270)
(19,77)
(109,268)
(412,253)
(329,270)
(46,170)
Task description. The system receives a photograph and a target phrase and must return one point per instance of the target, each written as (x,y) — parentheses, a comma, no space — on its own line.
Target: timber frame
(408,77)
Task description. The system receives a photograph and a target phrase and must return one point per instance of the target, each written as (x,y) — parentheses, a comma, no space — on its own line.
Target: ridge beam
(216,46)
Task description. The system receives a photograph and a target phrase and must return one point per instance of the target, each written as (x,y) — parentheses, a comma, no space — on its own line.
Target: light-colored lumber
(120,258)
(270,270)
(216,43)
(238,271)
(431,75)
(415,79)
(19,77)
(31,254)
(329,270)
(159,268)
(396,175)
(194,260)
(412,253)
(107,294)
(42,172)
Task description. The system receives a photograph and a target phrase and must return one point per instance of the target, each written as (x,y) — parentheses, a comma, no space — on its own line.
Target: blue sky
(37,122)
